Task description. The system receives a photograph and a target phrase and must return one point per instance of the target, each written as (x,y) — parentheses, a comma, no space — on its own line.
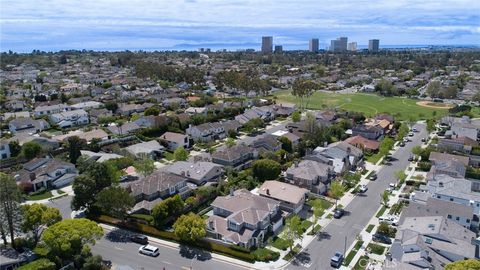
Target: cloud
(133,24)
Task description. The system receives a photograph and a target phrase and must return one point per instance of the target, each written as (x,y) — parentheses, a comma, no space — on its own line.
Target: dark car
(382,239)
(339,213)
(336,260)
(402,144)
(372,177)
(410,158)
(140,239)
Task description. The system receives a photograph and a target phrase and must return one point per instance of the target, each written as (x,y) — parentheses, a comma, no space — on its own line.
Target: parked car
(414,130)
(390,220)
(363,188)
(410,158)
(424,139)
(149,250)
(140,239)
(406,139)
(382,238)
(402,144)
(339,213)
(372,177)
(337,260)
(410,134)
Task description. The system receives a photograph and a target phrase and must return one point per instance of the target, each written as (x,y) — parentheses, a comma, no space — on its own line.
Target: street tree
(336,191)
(303,89)
(74,145)
(266,169)
(385,145)
(31,150)
(10,214)
(402,131)
(190,227)
(151,111)
(400,176)
(115,201)
(385,196)
(296,116)
(431,125)
(145,165)
(67,238)
(230,142)
(36,217)
(417,150)
(293,230)
(286,144)
(168,208)
(180,154)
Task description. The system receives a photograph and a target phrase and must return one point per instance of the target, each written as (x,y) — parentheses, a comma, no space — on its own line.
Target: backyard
(370,104)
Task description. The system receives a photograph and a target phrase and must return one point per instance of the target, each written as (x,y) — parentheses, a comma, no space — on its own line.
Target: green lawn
(382,210)
(280,243)
(362,263)
(370,228)
(168,155)
(322,202)
(40,196)
(352,253)
(376,248)
(374,158)
(306,224)
(369,104)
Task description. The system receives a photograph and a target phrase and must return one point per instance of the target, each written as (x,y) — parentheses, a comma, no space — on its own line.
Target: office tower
(313,45)
(339,44)
(373,45)
(278,49)
(267,44)
(352,46)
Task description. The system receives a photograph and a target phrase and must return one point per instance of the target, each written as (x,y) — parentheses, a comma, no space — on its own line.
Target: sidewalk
(55,195)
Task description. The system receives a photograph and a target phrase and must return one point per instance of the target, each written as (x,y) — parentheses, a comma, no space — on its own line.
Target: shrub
(424,166)
(265,255)
(376,248)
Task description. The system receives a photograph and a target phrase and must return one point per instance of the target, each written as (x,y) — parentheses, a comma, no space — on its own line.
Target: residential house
(88,136)
(341,155)
(27,125)
(456,190)
(312,175)
(129,109)
(238,156)
(266,113)
(448,164)
(126,128)
(175,101)
(459,213)
(46,143)
(368,132)
(196,110)
(4,150)
(244,219)
(45,172)
(266,143)
(291,198)
(70,118)
(152,121)
(363,143)
(151,190)
(199,172)
(430,243)
(12,115)
(152,148)
(208,132)
(175,140)
(99,156)
(88,105)
(50,109)
(457,144)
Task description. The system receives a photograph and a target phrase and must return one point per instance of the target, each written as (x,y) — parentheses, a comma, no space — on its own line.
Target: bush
(280,243)
(424,166)
(376,248)
(265,255)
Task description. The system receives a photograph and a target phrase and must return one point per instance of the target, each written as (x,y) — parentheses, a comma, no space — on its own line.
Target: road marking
(166,262)
(117,248)
(186,268)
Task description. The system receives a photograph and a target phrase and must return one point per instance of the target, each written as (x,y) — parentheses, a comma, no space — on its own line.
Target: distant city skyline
(238,24)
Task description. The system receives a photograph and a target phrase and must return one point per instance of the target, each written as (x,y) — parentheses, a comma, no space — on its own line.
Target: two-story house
(149,191)
(368,132)
(312,175)
(238,156)
(341,155)
(199,172)
(70,118)
(174,140)
(51,109)
(291,197)
(244,219)
(27,125)
(45,172)
(448,164)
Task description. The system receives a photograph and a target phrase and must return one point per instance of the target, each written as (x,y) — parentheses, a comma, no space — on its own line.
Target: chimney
(183,173)
(296,166)
(231,192)
(210,224)
(268,191)
(32,176)
(349,150)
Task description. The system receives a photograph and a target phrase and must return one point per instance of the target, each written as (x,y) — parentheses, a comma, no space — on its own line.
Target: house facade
(70,118)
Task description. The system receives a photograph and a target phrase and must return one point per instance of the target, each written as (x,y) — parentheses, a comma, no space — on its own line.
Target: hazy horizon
(238,24)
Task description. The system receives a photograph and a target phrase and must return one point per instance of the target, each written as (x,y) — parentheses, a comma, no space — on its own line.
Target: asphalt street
(358,213)
(115,247)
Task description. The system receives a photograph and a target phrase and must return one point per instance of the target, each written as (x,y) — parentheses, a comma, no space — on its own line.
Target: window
(457,218)
(468,220)
(438,196)
(449,216)
(428,240)
(451,199)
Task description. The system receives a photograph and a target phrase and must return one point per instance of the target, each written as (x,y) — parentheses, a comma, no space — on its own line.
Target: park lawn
(369,104)
(41,196)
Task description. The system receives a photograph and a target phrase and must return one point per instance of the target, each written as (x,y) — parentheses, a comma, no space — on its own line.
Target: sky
(114,25)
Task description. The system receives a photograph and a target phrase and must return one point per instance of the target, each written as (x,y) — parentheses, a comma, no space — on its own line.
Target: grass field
(369,104)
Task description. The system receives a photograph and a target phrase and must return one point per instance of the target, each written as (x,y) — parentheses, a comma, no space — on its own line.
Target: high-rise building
(373,45)
(278,49)
(339,44)
(352,46)
(313,45)
(267,44)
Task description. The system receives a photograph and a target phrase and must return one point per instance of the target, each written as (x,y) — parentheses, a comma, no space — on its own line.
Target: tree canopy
(171,207)
(10,215)
(190,227)
(36,216)
(470,264)
(114,201)
(266,169)
(145,165)
(180,154)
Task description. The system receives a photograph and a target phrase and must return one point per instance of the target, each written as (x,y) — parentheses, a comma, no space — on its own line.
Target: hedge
(149,230)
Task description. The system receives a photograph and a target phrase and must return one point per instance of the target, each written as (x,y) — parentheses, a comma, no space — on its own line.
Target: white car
(363,188)
(390,220)
(411,134)
(149,250)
